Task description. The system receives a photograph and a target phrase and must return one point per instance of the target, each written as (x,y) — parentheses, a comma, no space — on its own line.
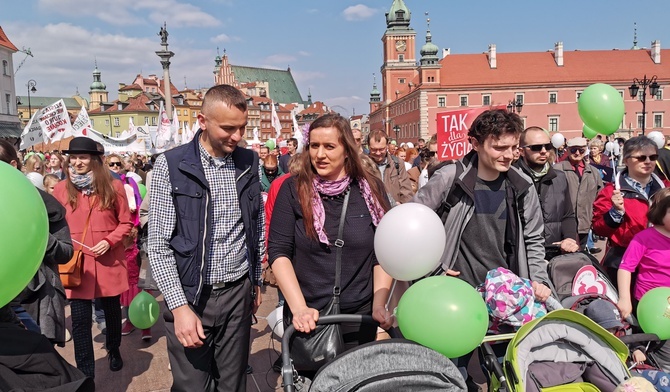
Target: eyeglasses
(539,147)
(575,149)
(112,164)
(643,158)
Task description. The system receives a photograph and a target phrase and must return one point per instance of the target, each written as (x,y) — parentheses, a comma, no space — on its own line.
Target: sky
(332,47)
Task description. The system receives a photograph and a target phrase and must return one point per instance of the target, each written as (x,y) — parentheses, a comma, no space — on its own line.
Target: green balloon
(270,144)
(653,312)
(143,310)
(445,314)
(24,232)
(588,132)
(143,190)
(601,108)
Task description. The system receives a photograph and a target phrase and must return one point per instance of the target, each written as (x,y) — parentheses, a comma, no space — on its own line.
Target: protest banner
(452,132)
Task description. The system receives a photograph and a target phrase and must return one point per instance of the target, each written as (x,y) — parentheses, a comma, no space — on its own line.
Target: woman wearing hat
(90,195)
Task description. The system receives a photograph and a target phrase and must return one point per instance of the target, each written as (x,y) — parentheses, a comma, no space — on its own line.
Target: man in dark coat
(560,224)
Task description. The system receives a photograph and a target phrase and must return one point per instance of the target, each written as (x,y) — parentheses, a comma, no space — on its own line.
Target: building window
(153,120)
(401,57)
(486,100)
(146,120)
(579,94)
(519,98)
(92,122)
(640,121)
(185,124)
(185,112)
(194,114)
(178,112)
(553,97)
(464,100)
(640,95)
(621,92)
(441,102)
(401,80)
(8,100)
(659,94)
(117,134)
(107,122)
(658,120)
(553,124)
(5,67)
(116,121)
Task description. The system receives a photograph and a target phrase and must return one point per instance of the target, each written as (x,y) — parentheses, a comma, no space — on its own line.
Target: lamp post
(513,106)
(396,128)
(653,90)
(31,89)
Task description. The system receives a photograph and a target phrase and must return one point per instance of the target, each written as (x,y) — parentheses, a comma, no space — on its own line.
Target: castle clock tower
(399,52)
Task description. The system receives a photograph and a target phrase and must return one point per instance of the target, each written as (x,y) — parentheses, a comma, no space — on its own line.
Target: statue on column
(163,34)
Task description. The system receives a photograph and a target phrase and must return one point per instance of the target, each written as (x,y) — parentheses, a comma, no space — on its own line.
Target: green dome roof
(429,49)
(97,83)
(392,17)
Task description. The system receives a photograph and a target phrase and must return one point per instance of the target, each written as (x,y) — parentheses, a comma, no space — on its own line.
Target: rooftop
(281,83)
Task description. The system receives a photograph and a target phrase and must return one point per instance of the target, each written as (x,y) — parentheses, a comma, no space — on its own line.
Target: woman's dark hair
(660,203)
(637,143)
(352,166)
(8,153)
(495,123)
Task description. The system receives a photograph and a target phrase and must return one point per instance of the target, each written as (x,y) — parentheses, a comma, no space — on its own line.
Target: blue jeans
(589,241)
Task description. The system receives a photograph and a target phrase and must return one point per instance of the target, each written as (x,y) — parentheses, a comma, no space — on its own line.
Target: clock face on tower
(400,45)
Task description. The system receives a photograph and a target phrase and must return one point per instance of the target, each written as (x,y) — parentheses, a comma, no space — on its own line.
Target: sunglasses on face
(539,147)
(643,158)
(575,149)
(112,164)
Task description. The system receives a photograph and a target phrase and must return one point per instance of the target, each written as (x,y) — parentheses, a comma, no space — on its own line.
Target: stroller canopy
(568,337)
(389,365)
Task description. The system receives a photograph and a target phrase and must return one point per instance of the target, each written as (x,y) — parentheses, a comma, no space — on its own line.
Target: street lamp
(513,105)
(31,89)
(397,130)
(653,90)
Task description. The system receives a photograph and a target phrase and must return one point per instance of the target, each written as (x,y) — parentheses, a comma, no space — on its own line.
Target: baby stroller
(562,351)
(386,365)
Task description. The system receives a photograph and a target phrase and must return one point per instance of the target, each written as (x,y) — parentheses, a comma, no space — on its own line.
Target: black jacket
(557,212)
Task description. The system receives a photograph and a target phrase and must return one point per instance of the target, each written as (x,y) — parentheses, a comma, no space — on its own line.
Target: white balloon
(557,140)
(609,146)
(658,138)
(276,321)
(409,241)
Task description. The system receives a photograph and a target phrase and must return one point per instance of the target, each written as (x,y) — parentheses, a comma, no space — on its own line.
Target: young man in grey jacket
(494,217)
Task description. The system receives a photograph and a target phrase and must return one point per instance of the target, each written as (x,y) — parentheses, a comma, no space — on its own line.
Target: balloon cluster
(443,313)
(601,108)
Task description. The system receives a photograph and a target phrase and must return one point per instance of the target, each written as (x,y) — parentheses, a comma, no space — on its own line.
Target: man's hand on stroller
(304,320)
(541,291)
(568,245)
(382,316)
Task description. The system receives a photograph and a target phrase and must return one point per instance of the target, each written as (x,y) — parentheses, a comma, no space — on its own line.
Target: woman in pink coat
(89,187)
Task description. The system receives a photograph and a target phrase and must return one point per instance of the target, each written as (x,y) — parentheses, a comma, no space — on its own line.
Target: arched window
(5,67)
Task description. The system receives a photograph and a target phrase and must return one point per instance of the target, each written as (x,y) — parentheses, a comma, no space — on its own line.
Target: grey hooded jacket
(526,257)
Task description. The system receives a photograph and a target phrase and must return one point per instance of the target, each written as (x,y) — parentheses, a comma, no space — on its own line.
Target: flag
(274,121)
(163,133)
(82,124)
(175,128)
(55,121)
(297,133)
(32,133)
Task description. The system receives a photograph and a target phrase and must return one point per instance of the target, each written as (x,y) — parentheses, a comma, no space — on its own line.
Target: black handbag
(310,351)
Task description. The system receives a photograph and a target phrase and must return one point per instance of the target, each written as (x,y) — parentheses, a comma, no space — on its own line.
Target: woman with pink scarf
(305,224)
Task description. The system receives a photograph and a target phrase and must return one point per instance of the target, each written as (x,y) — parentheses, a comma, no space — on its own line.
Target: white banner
(111,144)
(32,133)
(55,121)
(82,124)
(164,133)
(274,121)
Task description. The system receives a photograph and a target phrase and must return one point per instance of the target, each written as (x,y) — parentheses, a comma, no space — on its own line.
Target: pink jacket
(104,276)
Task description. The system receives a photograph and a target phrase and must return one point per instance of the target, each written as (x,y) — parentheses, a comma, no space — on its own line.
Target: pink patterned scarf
(334,188)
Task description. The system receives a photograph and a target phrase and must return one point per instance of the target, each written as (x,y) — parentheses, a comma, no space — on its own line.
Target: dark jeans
(81,330)
(220,363)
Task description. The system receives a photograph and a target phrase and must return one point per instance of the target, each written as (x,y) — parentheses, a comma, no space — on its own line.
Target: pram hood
(566,336)
(388,365)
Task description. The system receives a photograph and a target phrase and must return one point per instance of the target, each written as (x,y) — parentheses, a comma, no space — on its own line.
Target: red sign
(452,132)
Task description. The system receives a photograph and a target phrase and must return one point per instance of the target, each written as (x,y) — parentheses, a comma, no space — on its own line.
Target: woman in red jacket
(89,188)
(620,214)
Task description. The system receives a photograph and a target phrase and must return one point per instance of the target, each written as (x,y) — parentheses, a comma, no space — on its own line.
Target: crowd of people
(217,214)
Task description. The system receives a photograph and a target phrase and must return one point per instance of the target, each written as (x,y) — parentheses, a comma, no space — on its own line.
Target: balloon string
(388,301)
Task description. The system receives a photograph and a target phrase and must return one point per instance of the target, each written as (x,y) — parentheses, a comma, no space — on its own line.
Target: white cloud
(304,76)
(224,38)
(312,11)
(304,54)
(125,12)
(358,12)
(64,59)
(281,58)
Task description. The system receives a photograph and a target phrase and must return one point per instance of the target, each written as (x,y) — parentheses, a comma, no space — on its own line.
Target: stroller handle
(287,367)
(640,338)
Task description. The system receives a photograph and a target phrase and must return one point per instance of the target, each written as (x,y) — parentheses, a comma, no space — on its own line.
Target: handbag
(309,352)
(72,271)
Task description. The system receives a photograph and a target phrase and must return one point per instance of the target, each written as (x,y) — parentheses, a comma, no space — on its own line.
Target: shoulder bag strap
(83,237)
(339,243)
